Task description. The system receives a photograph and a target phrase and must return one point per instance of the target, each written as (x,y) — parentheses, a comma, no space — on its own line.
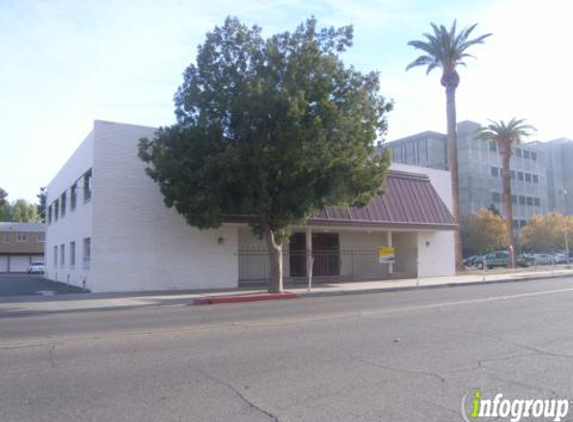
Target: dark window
(63,203)
(496,197)
(73,196)
(494,172)
(492,146)
(537,202)
(88,185)
(515,224)
(525,154)
(522,223)
(518,152)
(529,200)
(535,178)
(50,214)
(521,200)
(534,156)
(514,199)
(56,210)
(528,177)
(520,176)
(512,174)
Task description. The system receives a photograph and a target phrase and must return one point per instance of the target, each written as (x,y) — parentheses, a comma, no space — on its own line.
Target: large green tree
(41,206)
(22,211)
(4,205)
(273,129)
(446,50)
(506,135)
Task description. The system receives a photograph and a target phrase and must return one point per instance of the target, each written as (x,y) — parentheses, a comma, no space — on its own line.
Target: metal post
(311,260)
(566,244)
(484,267)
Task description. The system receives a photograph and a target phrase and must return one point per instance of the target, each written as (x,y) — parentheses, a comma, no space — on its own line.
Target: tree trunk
(452,140)
(505,151)
(276,262)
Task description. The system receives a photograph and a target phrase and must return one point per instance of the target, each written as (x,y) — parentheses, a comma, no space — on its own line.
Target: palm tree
(446,50)
(506,136)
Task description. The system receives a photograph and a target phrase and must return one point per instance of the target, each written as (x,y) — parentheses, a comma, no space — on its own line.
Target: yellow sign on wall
(386,255)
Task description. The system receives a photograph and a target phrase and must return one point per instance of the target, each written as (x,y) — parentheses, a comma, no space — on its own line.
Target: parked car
(560,258)
(543,259)
(498,259)
(36,268)
(470,261)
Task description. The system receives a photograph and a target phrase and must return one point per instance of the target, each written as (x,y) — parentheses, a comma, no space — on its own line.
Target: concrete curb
(427,287)
(257,297)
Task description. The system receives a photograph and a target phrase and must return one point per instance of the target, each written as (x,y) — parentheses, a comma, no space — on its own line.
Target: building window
(6,237)
(537,202)
(87,253)
(496,197)
(494,172)
(521,200)
(62,255)
(55,256)
(534,156)
(512,174)
(492,146)
(520,176)
(515,224)
(535,178)
(514,199)
(41,237)
(528,177)
(21,238)
(72,254)
(525,154)
(88,185)
(50,214)
(529,200)
(518,152)
(56,210)
(522,223)
(73,196)
(63,204)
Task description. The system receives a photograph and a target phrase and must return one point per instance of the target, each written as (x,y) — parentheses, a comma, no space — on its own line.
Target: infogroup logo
(513,410)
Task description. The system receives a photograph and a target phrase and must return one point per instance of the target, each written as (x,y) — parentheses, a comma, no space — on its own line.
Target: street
(394,356)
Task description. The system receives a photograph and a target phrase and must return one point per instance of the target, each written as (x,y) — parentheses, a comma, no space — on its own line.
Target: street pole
(564,192)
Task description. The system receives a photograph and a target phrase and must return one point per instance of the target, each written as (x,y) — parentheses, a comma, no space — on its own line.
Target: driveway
(29,284)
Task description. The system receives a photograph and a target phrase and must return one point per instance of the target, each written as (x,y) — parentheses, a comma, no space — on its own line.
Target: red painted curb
(244,298)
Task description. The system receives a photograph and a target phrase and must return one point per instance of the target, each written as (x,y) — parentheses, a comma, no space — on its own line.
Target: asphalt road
(401,356)
(29,284)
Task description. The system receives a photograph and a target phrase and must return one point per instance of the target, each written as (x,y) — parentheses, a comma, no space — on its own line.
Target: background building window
(494,172)
(525,154)
(492,146)
(521,200)
(62,255)
(41,237)
(50,214)
(528,177)
(535,178)
(56,210)
(6,238)
(55,256)
(534,156)
(21,238)
(529,200)
(518,152)
(63,204)
(520,176)
(537,202)
(496,197)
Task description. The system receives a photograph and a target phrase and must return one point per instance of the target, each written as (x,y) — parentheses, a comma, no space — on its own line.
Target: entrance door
(297,252)
(326,254)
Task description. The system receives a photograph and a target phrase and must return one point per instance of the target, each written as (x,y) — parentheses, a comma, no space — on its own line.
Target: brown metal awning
(409,201)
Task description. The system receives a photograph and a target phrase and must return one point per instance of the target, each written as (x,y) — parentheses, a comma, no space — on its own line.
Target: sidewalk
(34,305)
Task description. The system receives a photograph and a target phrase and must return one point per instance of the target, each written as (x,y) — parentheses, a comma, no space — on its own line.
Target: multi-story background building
(479,170)
(559,158)
(20,245)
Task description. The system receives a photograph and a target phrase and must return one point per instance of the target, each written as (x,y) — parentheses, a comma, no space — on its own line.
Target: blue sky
(65,63)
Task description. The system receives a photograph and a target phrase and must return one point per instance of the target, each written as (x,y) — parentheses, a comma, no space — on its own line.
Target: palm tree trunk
(452,140)
(505,151)
(276,262)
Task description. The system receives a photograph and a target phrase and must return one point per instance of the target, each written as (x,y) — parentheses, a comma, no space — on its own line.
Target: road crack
(237,392)
(401,370)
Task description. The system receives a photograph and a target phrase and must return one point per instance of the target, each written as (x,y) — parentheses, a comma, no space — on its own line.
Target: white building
(109,230)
